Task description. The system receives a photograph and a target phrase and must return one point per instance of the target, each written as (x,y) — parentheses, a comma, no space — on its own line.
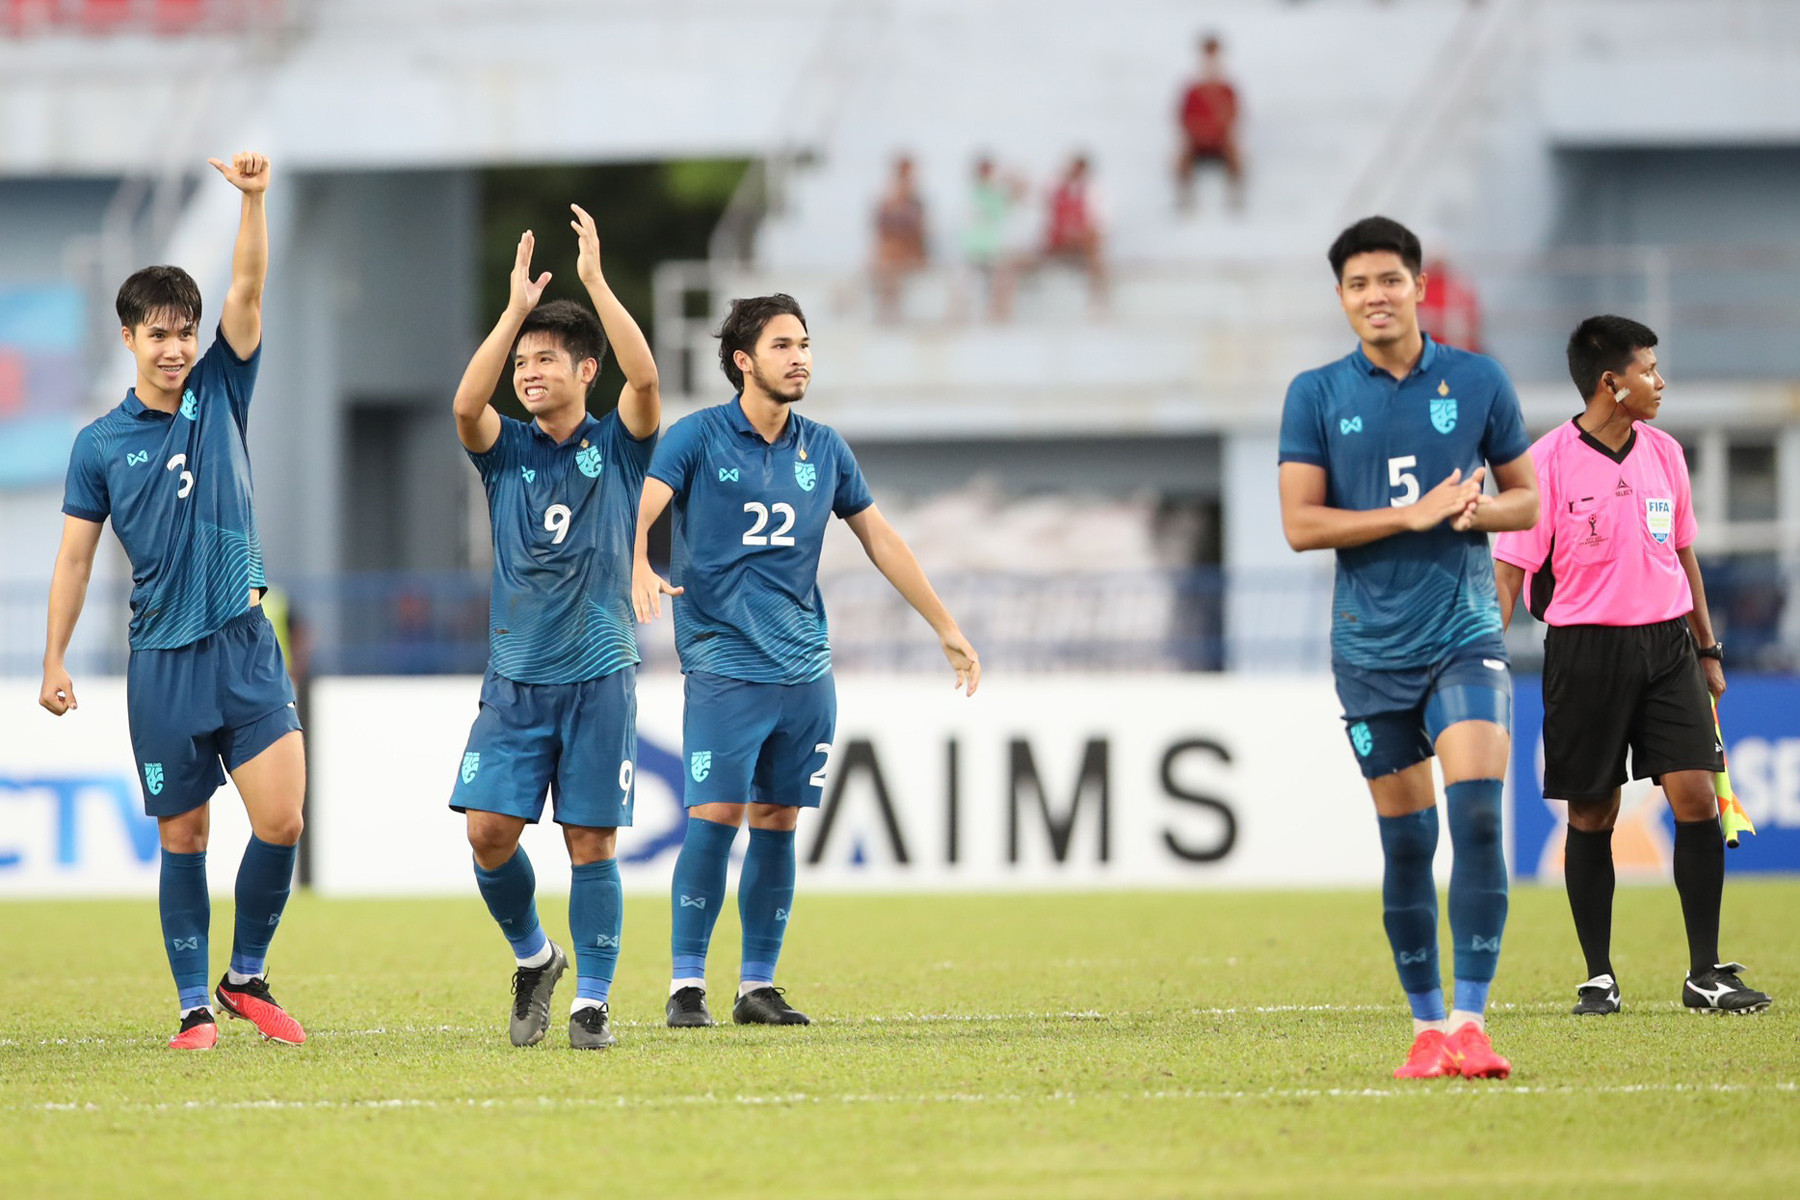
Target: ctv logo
(72,827)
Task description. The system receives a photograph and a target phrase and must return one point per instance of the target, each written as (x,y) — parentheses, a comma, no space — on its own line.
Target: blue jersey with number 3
(1404,600)
(750,520)
(564,516)
(177,487)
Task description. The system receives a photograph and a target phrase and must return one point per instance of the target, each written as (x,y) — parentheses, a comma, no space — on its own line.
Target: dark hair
(1604,343)
(1376,233)
(743,326)
(156,290)
(573,327)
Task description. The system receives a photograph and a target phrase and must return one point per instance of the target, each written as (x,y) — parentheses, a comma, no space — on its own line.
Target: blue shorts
(223,699)
(763,743)
(1393,718)
(576,740)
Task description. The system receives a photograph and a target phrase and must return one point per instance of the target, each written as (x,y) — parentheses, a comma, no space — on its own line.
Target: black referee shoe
(1598,997)
(766,1006)
(1719,989)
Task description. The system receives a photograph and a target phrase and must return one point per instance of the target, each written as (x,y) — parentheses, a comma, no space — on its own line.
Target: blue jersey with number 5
(749,522)
(1404,600)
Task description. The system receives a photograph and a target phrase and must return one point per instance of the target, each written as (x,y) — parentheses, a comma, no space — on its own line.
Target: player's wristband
(1716,652)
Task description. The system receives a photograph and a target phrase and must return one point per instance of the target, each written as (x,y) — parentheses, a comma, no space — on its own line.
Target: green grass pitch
(1077,1045)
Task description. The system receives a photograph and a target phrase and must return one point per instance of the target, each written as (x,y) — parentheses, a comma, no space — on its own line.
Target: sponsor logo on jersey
(728,474)
(1443,414)
(700,765)
(153,778)
(136,457)
(471,764)
(807,474)
(588,460)
(1349,425)
(1362,739)
(1659,518)
(1624,489)
(190,407)
(528,473)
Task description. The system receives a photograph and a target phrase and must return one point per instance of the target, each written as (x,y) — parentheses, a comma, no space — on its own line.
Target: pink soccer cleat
(1429,1058)
(251,1002)
(1473,1054)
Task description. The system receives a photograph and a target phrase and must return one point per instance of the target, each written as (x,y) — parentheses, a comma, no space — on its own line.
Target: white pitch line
(798,1099)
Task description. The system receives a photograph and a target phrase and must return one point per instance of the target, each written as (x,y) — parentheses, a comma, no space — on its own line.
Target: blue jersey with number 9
(749,522)
(1405,600)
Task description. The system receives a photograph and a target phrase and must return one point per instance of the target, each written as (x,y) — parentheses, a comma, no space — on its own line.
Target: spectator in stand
(989,242)
(1450,311)
(1074,234)
(1209,119)
(899,238)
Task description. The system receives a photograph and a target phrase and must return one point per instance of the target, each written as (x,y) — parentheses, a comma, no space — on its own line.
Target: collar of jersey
(588,421)
(1426,358)
(741,423)
(137,408)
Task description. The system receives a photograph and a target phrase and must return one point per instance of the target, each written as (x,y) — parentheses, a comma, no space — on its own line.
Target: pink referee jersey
(1611,525)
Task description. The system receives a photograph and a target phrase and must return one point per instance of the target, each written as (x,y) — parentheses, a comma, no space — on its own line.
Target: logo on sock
(153,778)
(192,943)
(471,764)
(1410,957)
(607,943)
(781,914)
(700,765)
(1479,943)
(693,901)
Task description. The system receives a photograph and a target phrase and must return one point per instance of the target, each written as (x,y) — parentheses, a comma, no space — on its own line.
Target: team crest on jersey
(588,460)
(1659,518)
(807,474)
(135,458)
(700,765)
(471,764)
(190,407)
(153,778)
(1443,413)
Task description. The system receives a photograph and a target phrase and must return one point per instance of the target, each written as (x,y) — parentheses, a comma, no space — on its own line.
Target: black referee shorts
(1609,687)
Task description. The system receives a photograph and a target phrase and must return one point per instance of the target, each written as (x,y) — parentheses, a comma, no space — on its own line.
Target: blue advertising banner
(1760,716)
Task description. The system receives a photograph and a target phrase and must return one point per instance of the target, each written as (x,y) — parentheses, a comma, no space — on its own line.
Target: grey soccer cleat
(589,1028)
(686,1009)
(531,998)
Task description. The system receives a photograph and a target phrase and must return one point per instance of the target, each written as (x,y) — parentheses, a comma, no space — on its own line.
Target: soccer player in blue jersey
(206,683)
(754,485)
(1383,454)
(559,704)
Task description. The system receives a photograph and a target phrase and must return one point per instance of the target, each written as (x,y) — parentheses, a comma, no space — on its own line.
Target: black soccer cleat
(1598,997)
(532,987)
(589,1029)
(1719,989)
(687,1009)
(766,1006)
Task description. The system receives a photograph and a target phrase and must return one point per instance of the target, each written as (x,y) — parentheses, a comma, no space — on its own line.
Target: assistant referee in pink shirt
(1629,653)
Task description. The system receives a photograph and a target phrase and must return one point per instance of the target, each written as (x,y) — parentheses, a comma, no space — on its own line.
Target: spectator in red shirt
(1209,117)
(1450,311)
(899,238)
(1074,234)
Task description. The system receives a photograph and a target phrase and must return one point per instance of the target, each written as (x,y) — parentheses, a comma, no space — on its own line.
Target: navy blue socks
(264,880)
(1409,909)
(765,897)
(511,894)
(696,893)
(1478,887)
(186,913)
(596,917)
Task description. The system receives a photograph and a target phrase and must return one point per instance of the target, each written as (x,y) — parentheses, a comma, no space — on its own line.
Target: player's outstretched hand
(247,171)
(1447,500)
(587,246)
(525,291)
(963,660)
(58,693)
(647,590)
